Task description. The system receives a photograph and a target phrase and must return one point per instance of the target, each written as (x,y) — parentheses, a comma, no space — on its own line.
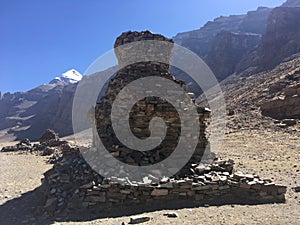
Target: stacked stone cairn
(72,184)
(147,108)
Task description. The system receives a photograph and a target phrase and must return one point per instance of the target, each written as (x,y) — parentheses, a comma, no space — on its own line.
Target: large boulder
(286,106)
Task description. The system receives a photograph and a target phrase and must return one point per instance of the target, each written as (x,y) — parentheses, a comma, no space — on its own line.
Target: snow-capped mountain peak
(73,76)
(70,77)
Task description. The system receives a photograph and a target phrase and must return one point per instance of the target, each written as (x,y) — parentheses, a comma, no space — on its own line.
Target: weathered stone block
(159,192)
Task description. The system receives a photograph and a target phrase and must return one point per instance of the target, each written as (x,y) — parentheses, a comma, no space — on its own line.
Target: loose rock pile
(49,145)
(24,145)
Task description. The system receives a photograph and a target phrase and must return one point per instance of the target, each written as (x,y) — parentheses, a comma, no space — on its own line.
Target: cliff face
(228,49)
(254,42)
(255,21)
(223,42)
(200,41)
(252,22)
(282,40)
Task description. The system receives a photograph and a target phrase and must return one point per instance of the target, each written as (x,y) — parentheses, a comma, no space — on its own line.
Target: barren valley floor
(269,154)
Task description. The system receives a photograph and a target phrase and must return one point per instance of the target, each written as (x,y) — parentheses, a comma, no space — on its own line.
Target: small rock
(25,141)
(146,180)
(230,112)
(238,175)
(138,219)
(88,185)
(296,189)
(282,125)
(67,148)
(164,180)
(50,204)
(200,169)
(249,177)
(48,151)
(245,185)
(289,122)
(171,214)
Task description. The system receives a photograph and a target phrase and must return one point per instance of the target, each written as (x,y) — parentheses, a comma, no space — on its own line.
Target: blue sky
(41,39)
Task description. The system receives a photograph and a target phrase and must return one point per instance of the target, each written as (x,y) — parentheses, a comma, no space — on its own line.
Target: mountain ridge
(229,45)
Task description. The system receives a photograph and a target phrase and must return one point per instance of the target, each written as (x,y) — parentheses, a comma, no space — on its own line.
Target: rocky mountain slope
(255,42)
(281,40)
(237,33)
(291,3)
(266,100)
(240,46)
(29,113)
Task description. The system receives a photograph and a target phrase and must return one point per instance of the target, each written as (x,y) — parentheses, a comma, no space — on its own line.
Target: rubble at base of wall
(72,184)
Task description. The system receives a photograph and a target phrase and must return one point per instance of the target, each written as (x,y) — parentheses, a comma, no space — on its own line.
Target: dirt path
(269,154)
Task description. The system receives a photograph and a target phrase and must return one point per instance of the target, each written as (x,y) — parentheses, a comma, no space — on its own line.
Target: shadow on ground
(23,210)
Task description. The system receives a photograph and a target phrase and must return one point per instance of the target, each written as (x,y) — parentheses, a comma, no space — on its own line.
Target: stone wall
(147,108)
(73,185)
(126,55)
